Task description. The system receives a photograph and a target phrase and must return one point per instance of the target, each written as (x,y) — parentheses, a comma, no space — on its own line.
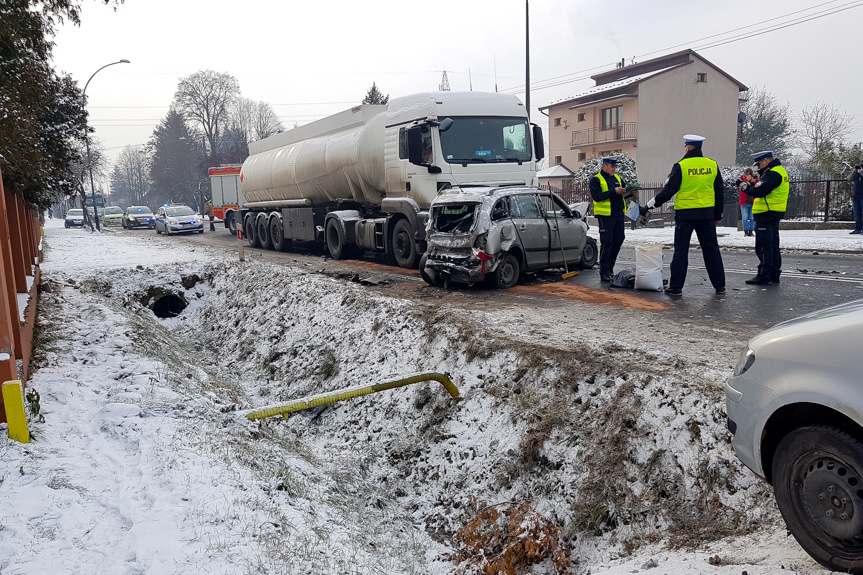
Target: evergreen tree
(767,126)
(626,169)
(374,96)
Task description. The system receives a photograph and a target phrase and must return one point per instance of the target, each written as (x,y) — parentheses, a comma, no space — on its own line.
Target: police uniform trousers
(767,246)
(611,236)
(705,231)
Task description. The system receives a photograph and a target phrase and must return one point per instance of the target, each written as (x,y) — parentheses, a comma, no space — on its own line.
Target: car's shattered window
(453,218)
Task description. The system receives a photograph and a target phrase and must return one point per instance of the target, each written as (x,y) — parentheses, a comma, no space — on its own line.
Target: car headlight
(747,358)
(172,221)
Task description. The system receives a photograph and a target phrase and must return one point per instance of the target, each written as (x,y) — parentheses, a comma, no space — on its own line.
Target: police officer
(771,199)
(609,205)
(698,206)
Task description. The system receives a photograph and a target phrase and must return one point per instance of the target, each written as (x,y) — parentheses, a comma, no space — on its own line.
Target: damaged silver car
(497,234)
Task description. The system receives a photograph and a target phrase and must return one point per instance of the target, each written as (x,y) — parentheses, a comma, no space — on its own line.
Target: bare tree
(207,98)
(130,179)
(823,130)
(266,122)
(255,120)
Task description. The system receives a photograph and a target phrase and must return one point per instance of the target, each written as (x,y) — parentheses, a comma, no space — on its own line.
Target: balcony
(624,131)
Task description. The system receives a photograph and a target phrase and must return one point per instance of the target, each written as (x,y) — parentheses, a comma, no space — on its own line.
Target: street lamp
(87,142)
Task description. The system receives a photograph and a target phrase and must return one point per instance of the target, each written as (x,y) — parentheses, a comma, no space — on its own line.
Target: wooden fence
(20,254)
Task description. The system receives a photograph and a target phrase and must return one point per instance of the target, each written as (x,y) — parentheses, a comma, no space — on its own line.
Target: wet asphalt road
(810,281)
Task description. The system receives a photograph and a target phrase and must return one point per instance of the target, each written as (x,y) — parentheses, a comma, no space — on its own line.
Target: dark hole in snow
(169,305)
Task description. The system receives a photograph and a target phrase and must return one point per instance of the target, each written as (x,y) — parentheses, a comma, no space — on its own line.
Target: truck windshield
(477,139)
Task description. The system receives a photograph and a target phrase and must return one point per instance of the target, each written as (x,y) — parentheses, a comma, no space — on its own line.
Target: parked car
(173,218)
(138,217)
(111,215)
(74,217)
(497,234)
(795,408)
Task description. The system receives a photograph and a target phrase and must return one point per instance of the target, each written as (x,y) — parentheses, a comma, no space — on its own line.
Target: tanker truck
(362,180)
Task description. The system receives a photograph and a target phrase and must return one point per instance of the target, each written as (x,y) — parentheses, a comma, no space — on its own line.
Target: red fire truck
(227,196)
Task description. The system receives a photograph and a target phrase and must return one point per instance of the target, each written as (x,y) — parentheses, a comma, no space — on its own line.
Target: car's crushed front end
(464,245)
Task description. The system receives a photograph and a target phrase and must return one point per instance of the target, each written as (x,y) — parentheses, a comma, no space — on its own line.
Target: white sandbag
(648,267)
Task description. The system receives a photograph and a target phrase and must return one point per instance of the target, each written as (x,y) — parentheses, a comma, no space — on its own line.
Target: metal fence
(809,199)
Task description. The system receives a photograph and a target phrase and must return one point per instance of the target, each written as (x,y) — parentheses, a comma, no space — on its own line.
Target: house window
(557,160)
(582,117)
(612,117)
(556,122)
(604,153)
(701,77)
(582,156)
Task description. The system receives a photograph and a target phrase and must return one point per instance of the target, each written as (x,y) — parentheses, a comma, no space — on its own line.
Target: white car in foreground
(795,407)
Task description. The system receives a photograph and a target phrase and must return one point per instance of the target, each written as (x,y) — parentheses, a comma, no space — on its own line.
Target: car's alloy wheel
(818,482)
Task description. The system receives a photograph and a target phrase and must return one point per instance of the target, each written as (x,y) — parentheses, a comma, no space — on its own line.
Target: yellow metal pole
(350,392)
(13,399)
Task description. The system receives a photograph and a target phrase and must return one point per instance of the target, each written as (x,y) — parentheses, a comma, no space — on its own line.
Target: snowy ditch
(617,446)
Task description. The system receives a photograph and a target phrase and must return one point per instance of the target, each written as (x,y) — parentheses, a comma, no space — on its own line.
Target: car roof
(478,193)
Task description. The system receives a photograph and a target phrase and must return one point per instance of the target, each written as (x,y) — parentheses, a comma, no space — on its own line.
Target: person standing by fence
(768,208)
(746,180)
(857,201)
(609,205)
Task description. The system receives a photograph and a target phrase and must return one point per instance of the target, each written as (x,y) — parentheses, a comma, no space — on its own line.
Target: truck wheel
(507,273)
(232,224)
(817,475)
(404,248)
(250,232)
(589,254)
(263,231)
(335,237)
(277,234)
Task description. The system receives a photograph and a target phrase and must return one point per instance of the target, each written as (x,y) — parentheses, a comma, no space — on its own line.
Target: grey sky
(313,59)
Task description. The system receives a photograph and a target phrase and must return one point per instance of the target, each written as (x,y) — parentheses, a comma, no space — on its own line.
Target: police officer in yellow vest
(609,205)
(697,207)
(771,200)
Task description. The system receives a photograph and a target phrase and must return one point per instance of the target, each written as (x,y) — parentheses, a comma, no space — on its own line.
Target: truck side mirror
(538,144)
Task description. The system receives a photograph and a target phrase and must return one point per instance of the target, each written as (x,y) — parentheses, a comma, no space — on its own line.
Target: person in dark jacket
(698,207)
(608,191)
(768,208)
(857,201)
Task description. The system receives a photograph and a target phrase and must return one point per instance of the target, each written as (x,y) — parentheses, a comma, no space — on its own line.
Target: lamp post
(87,143)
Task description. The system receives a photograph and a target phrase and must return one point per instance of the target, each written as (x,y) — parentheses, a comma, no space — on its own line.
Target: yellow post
(13,399)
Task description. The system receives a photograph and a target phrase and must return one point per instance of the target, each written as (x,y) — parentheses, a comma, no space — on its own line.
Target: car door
(532,229)
(565,230)
(161,219)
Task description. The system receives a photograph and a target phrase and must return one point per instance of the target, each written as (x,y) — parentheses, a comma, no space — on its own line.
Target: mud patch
(590,295)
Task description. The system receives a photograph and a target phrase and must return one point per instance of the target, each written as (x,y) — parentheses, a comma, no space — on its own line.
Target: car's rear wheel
(589,254)
(818,483)
(507,273)
(427,277)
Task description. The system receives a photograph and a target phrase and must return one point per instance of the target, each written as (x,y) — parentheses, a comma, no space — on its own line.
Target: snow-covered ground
(142,462)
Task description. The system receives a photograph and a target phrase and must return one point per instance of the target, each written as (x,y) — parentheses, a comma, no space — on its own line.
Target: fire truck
(227,196)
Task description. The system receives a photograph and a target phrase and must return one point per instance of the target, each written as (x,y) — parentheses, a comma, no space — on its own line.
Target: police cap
(758,156)
(693,140)
(610,160)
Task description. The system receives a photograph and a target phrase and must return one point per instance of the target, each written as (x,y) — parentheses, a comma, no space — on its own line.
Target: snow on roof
(558,171)
(614,85)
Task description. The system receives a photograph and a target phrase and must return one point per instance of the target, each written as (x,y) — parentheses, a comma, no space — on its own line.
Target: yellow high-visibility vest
(696,185)
(603,208)
(777,200)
